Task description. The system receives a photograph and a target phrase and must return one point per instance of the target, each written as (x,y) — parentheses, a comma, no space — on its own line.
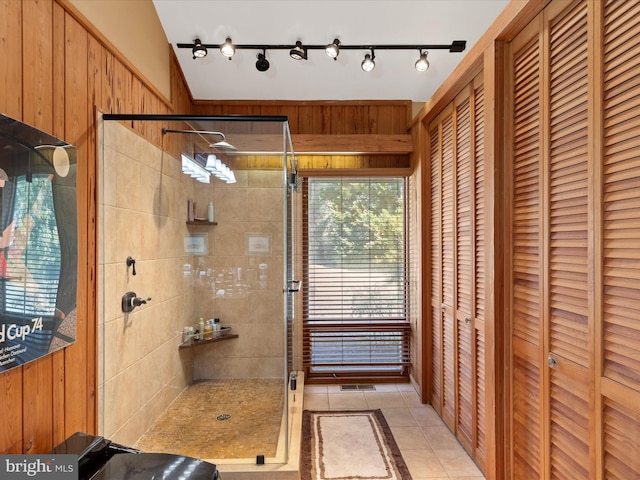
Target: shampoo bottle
(210,216)
(200,329)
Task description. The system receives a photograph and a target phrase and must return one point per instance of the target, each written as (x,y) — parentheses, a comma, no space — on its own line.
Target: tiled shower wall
(142,194)
(253,302)
(143,200)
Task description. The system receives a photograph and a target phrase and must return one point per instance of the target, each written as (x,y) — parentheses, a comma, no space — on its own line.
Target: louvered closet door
(527,240)
(620,384)
(568,256)
(478,385)
(457,234)
(447,221)
(469,254)
(436,267)
(464,273)
(551,349)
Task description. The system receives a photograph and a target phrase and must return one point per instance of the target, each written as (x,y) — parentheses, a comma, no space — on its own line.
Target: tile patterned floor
(428,447)
(190,426)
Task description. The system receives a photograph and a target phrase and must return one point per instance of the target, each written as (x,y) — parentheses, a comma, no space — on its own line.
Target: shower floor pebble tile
(190,426)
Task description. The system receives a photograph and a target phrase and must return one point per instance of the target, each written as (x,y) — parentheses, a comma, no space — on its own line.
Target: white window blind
(355,273)
(32,261)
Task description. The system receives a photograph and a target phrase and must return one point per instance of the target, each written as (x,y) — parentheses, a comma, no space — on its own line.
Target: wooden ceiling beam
(352,144)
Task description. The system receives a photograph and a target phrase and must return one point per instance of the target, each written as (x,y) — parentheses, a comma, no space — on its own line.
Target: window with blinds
(31,262)
(355,275)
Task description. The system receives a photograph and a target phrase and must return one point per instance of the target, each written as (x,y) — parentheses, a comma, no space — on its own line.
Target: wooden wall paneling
(38,112)
(139,102)
(78,366)
(340,116)
(292,112)
(420,166)
(37,36)
(498,133)
(11,97)
(94,92)
(180,95)
(58,104)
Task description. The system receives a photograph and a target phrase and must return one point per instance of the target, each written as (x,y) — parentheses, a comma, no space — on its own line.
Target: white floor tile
(428,447)
(399,417)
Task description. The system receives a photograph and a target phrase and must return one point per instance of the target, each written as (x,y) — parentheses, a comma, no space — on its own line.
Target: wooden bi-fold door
(457,278)
(575,232)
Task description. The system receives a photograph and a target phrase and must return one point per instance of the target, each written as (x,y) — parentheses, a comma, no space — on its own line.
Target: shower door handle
(294,285)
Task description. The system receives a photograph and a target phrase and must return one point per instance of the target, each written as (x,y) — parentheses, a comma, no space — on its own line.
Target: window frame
(395,328)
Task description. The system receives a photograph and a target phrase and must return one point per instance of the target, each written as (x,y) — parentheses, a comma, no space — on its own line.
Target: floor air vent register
(356,387)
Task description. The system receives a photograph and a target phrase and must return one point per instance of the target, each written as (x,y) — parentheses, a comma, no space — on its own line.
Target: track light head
(227,49)
(198,50)
(333,49)
(262,65)
(298,52)
(422,64)
(368,63)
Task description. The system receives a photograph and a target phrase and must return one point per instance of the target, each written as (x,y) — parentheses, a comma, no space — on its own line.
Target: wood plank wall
(383,118)
(74,74)
(55,74)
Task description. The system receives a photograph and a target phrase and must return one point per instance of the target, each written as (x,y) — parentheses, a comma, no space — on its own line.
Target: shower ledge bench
(196,343)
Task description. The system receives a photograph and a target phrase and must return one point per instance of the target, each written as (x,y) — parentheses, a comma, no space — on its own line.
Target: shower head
(222,145)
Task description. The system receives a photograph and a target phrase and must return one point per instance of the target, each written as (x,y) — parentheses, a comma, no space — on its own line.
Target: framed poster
(38,243)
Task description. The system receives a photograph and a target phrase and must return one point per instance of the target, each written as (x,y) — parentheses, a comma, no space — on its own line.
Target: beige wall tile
(144,217)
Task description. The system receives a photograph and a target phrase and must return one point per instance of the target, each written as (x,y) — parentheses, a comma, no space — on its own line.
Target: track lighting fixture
(368,63)
(298,52)
(198,50)
(195,170)
(218,169)
(227,49)
(422,64)
(262,64)
(333,49)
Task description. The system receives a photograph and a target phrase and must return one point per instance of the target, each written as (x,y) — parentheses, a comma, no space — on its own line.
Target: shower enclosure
(166,268)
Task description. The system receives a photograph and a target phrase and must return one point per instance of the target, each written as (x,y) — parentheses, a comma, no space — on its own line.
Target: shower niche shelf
(200,222)
(197,343)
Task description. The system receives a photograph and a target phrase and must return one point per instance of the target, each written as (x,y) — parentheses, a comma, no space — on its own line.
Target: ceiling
(353,22)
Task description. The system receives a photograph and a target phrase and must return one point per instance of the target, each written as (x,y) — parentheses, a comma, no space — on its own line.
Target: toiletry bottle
(216,324)
(200,330)
(208,331)
(210,212)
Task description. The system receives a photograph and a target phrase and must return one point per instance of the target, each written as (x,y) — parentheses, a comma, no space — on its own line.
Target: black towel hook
(131,262)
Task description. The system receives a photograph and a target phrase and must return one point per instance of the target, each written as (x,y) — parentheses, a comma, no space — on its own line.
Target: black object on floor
(101,459)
